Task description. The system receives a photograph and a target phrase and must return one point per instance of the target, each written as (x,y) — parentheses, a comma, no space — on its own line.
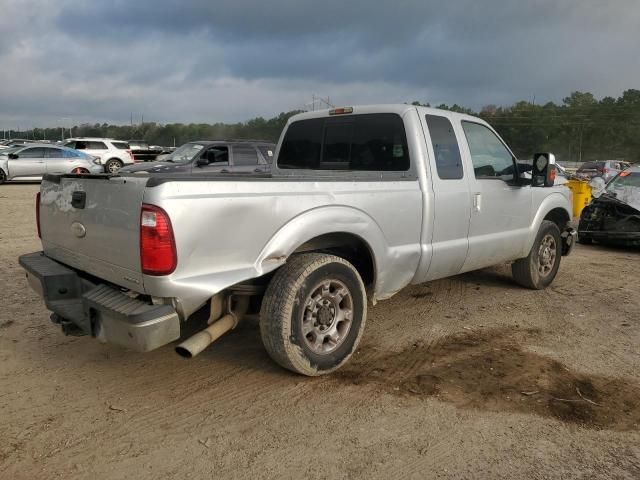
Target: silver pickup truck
(361,202)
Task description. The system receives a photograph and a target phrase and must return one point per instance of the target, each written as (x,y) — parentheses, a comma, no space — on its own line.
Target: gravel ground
(470,377)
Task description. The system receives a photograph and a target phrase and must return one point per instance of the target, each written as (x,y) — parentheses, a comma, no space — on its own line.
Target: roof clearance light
(341,111)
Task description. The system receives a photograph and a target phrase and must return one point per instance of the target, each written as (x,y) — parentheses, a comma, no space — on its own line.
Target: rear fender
(394,266)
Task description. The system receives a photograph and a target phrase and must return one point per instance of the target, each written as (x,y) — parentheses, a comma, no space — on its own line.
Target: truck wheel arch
(555,208)
(341,231)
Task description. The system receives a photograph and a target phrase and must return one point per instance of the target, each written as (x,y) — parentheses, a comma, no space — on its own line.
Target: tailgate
(98,234)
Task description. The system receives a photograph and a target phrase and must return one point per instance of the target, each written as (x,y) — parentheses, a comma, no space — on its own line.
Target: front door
(217,158)
(501,210)
(29,165)
(451,199)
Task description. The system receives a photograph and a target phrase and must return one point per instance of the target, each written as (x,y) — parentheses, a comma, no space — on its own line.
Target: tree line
(581,128)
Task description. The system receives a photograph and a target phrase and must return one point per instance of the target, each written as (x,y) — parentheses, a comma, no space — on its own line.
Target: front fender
(394,265)
(549,203)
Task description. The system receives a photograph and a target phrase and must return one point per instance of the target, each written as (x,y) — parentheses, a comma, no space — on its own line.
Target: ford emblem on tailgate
(78,229)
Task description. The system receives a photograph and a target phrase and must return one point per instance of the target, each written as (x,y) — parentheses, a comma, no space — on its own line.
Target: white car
(113,154)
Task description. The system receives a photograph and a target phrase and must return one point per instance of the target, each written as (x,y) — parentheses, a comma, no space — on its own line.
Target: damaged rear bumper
(85,306)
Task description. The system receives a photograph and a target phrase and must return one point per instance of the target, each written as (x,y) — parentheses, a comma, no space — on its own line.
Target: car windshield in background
(185,153)
(625,179)
(7,151)
(121,145)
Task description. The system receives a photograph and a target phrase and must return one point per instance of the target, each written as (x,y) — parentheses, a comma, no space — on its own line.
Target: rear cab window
(445,148)
(355,143)
(244,155)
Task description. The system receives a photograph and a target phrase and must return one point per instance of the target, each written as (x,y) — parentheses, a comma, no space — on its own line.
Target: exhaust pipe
(201,340)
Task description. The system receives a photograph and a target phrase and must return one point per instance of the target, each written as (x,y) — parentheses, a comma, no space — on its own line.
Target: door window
(217,156)
(96,146)
(445,148)
(490,157)
(243,155)
(36,152)
(55,153)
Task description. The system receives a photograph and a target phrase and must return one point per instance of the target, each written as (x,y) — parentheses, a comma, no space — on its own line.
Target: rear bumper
(98,309)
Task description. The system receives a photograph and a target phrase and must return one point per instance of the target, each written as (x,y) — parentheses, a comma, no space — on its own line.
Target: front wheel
(539,268)
(3,177)
(313,314)
(113,165)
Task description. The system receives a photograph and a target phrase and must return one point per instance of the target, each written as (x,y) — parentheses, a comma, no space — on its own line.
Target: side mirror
(202,162)
(13,156)
(543,173)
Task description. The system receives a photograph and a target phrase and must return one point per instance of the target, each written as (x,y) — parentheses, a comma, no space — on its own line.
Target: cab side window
(36,152)
(217,155)
(490,157)
(445,148)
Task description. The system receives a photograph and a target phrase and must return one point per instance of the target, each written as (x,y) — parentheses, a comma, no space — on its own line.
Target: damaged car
(613,216)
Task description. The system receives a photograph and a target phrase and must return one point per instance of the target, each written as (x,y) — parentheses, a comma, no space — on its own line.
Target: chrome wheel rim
(547,255)
(327,316)
(113,167)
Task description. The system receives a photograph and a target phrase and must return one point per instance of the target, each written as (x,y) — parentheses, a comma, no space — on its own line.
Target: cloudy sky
(74,61)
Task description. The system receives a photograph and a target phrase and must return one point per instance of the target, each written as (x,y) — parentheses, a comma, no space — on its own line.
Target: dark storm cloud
(206,61)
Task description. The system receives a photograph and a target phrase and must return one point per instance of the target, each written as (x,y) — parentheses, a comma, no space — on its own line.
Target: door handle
(257,170)
(477,202)
(224,170)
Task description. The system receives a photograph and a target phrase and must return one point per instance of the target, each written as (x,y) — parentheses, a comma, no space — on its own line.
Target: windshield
(185,153)
(625,179)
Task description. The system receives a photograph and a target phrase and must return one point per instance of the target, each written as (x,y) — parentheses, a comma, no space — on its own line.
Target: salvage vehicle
(606,169)
(614,215)
(360,202)
(213,156)
(30,162)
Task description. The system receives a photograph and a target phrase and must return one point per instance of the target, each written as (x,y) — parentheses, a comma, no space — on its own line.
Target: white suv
(113,154)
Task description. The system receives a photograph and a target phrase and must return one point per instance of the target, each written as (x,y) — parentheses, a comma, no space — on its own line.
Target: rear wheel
(113,165)
(79,170)
(540,267)
(313,314)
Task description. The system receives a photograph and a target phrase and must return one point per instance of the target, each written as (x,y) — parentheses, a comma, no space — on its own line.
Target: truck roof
(399,108)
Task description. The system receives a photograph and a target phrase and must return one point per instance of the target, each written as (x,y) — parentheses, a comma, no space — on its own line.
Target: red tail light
(38,214)
(157,243)
(133,158)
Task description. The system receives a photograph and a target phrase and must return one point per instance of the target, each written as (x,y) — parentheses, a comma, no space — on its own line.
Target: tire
(300,315)
(113,165)
(539,268)
(79,170)
(3,177)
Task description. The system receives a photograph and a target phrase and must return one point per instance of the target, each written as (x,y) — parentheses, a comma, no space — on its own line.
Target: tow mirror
(543,173)
(13,156)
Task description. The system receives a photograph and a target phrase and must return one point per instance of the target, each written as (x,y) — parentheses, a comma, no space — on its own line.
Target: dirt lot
(470,377)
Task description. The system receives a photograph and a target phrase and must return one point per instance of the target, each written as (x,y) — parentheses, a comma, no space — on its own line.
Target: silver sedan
(32,161)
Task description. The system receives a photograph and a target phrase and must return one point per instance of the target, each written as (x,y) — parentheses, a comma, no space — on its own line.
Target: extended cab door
(501,210)
(452,204)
